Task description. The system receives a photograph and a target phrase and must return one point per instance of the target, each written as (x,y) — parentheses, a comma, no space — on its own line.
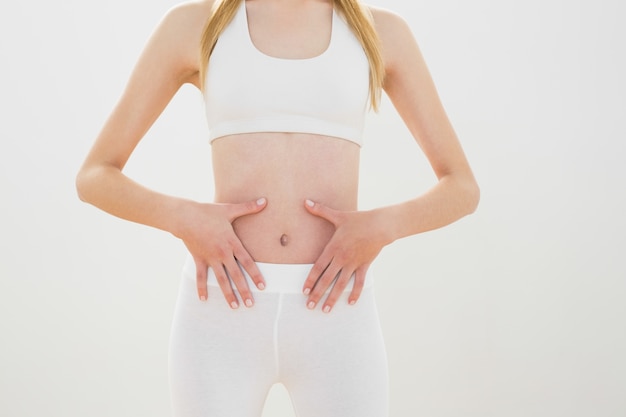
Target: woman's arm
(161,70)
(359,236)
(411,89)
(170,59)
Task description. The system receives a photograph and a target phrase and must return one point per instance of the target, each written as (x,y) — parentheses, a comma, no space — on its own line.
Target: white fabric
(223,362)
(248,91)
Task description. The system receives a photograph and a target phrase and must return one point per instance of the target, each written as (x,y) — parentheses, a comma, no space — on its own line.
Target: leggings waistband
(285,278)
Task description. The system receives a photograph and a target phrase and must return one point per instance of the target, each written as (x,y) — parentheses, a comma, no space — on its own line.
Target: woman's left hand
(359,237)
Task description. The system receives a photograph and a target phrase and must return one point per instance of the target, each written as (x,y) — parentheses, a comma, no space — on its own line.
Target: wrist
(181,215)
(381,222)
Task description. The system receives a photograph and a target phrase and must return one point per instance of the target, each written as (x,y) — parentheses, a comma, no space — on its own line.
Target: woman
(286,85)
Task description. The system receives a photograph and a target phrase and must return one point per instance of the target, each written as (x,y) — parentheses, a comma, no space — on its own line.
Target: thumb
(322,211)
(243,209)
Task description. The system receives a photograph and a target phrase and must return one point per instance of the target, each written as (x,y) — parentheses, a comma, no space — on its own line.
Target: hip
(279,277)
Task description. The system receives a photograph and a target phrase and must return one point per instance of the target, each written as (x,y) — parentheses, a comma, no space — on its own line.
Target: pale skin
(279,197)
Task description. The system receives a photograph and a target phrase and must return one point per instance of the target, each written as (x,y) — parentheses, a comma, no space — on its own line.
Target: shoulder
(394,33)
(388,23)
(177,36)
(384,16)
(192,11)
(188,18)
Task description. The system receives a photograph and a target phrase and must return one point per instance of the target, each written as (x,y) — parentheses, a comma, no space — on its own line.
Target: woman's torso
(287,168)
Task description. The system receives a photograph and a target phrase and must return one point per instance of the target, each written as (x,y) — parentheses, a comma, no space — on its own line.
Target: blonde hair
(358,17)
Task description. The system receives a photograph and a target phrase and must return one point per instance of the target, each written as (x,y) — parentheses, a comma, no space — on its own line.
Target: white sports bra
(247,91)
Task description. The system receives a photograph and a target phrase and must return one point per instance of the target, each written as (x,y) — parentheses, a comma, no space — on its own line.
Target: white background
(517,310)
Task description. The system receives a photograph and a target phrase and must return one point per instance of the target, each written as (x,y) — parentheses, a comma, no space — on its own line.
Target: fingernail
(260,201)
(234,304)
(352,302)
(309,203)
(311,304)
(249,302)
(326,309)
(260,286)
(203,298)
(307,291)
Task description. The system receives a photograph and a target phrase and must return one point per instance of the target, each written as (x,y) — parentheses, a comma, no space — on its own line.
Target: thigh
(335,364)
(221,361)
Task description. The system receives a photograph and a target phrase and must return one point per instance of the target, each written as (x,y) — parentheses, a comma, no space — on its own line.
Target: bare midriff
(286,169)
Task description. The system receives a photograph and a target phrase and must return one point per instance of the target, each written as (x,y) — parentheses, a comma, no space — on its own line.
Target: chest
(288,32)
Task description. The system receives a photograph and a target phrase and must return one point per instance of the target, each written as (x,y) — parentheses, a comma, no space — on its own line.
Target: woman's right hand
(208,234)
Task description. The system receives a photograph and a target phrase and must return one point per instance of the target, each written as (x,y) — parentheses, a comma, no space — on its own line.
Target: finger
(322,211)
(338,288)
(243,209)
(322,285)
(316,272)
(237,277)
(359,283)
(250,267)
(224,283)
(201,278)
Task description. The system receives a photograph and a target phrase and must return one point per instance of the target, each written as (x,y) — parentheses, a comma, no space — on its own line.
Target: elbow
(92,182)
(80,184)
(472,195)
(466,194)
(84,183)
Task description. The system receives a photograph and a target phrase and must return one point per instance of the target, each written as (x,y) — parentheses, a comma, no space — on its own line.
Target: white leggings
(223,362)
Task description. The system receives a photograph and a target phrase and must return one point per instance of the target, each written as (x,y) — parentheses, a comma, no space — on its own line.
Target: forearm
(107,188)
(449,200)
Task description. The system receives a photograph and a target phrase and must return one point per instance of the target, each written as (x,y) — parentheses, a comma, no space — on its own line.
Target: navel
(284,240)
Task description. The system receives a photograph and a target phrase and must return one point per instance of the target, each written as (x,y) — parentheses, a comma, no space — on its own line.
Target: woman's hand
(209,236)
(359,237)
